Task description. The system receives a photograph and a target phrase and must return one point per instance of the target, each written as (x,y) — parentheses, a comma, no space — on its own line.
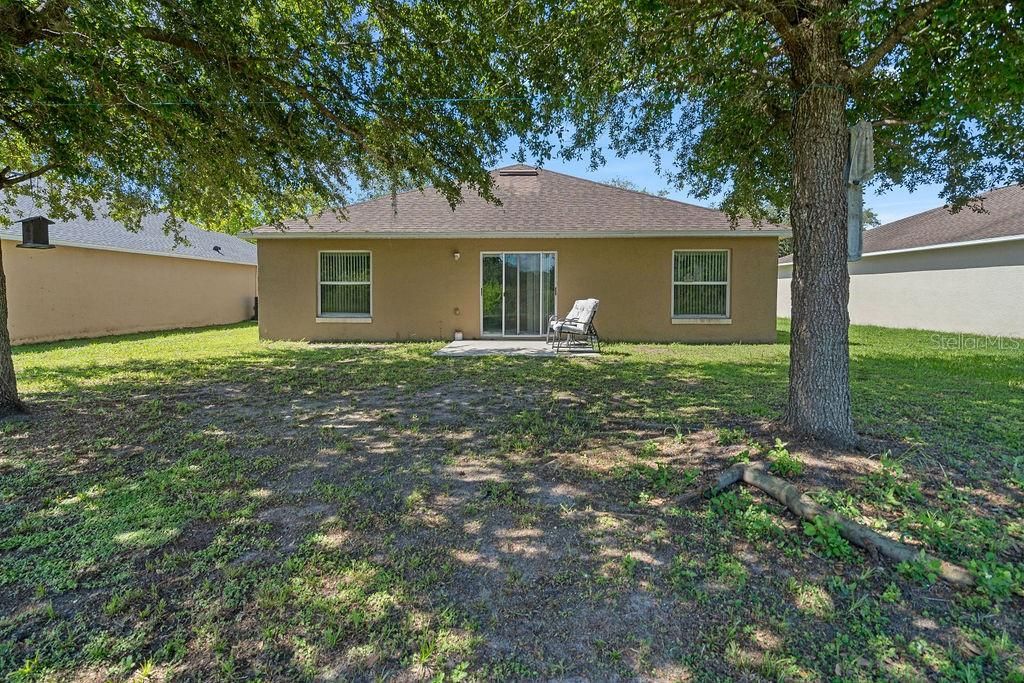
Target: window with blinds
(345,284)
(700,283)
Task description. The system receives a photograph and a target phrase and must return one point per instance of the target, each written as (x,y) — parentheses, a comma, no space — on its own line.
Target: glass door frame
(554,274)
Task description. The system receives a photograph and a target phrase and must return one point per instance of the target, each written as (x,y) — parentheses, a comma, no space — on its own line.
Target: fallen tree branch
(859,535)
(724,481)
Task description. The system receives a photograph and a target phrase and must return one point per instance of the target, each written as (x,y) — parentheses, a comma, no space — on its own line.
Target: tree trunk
(819,372)
(9,402)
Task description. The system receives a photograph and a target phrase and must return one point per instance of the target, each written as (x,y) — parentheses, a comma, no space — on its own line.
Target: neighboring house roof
(1002,219)
(534,202)
(105,233)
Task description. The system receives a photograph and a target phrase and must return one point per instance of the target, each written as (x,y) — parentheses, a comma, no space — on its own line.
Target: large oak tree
(753,98)
(232,113)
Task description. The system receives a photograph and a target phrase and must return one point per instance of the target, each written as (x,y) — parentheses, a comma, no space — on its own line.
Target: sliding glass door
(517,293)
(492,294)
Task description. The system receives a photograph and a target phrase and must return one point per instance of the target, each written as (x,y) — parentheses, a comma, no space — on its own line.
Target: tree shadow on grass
(347,527)
(349,512)
(940,401)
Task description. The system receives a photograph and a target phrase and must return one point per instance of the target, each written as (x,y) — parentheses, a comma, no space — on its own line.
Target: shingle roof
(533,201)
(106,233)
(1003,216)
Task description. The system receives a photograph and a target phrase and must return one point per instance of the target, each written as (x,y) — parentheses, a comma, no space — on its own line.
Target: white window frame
(322,317)
(703,318)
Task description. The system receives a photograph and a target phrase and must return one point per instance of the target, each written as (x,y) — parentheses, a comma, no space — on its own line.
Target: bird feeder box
(35,233)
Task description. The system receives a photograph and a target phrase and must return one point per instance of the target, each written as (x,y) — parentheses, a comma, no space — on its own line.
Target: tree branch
(877,123)
(8,179)
(895,37)
(799,504)
(763,8)
(244,65)
(781,23)
(25,26)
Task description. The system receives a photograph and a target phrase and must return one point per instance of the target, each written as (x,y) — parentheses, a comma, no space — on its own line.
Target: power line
(177,103)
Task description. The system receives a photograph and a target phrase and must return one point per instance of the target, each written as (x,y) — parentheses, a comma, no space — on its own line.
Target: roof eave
(933,247)
(141,252)
(551,234)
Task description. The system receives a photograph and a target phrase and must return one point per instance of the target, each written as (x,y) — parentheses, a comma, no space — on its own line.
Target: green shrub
(840,501)
(731,436)
(887,486)
(923,570)
(728,503)
(892,594)
(503,494)
(743,456)
(648,449)
(996,579)
(750,520)
(782,463)
(824,533)
(756,523)
(682,575)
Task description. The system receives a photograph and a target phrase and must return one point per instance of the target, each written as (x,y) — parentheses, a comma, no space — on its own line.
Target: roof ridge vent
(518,172)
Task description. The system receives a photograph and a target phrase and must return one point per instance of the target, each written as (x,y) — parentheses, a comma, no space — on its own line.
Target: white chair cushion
(587,310)
(576,311)
(579,328)
(579,317)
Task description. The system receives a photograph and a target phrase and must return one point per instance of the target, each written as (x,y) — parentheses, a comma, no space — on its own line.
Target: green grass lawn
(963,394)
(199,505)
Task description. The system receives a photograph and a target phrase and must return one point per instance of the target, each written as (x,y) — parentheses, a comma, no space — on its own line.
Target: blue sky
(639,169)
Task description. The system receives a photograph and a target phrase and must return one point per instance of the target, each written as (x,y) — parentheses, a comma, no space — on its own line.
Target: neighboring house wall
(421,292)
(72,292)
(973,289)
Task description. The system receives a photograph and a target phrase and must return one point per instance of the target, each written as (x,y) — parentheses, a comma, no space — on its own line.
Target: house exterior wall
(72,292)
(977,289)
(420,291)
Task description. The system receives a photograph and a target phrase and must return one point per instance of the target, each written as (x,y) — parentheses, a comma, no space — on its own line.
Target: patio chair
(576,326)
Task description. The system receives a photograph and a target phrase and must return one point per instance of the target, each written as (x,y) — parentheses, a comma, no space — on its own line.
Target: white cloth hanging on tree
(860,167)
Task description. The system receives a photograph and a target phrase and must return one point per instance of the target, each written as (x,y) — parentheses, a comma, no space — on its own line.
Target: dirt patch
(500,530)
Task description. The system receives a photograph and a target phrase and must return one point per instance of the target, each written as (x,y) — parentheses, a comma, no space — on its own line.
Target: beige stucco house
(936,270)
(413,268)
(101,279)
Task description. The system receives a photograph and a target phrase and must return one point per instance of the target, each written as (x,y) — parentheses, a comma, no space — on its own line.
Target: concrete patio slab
(510,347)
